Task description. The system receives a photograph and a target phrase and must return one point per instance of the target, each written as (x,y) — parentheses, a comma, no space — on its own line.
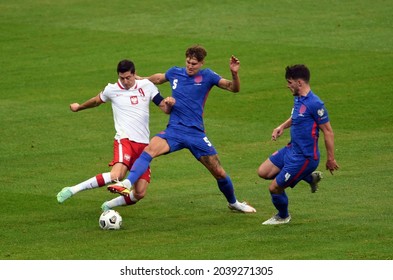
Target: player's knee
(267,173)
(275,189)
(140,189)
(219,173)
(140,194)
(263,173)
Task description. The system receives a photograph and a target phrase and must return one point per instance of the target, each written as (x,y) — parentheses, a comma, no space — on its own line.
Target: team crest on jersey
(198,79)
(321,112)
(134,100)
(302,110)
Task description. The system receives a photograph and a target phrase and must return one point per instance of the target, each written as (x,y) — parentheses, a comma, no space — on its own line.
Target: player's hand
(167,103)
(332,165)
(170,101)
(74,107)
(277,132)
(234,64)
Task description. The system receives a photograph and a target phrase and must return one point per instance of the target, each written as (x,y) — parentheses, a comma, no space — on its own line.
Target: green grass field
(54,53)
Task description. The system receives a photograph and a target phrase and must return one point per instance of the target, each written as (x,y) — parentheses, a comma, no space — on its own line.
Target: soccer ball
(110,219)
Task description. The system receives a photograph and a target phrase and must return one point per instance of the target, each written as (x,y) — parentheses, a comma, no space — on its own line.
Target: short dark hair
(197,52)
(126,65)
(298,71)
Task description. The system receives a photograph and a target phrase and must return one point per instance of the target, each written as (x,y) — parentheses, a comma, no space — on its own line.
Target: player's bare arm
(328,134)
(234,84)
(157,79)
(91,103)
(279,130)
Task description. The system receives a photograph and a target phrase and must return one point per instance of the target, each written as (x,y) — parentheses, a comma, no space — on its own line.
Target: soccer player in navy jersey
(299,159)
(190,88)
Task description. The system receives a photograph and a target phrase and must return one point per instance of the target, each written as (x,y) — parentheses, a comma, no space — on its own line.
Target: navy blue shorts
(294,168)
(180,137)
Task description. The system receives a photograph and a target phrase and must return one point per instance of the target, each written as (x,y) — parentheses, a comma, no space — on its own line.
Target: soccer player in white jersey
(130,100)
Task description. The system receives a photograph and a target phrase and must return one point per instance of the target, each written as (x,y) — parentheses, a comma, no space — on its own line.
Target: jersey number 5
(207,141)
(174,86)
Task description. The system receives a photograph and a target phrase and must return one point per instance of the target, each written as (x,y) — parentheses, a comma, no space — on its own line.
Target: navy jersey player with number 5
(190,88)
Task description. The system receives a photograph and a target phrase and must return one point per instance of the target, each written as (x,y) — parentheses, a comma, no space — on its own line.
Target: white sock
(118,201)
(133,198)
(122,201)
(236,203)
(94,182)
(127,184)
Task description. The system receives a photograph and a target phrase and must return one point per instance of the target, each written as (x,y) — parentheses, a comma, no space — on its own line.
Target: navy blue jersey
(190,93)
(308,112)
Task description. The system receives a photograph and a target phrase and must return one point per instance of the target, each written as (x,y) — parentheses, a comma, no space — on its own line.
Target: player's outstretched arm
(157,79)
(91,103)
(234,84)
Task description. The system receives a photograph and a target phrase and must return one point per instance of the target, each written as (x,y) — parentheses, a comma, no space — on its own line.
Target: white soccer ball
(110,219)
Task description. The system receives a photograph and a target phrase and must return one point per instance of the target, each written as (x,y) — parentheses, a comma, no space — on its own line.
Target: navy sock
(280,201)
(139,167)
(226,187)
(308,179)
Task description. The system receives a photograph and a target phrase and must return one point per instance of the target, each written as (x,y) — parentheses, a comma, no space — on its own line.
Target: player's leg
(224,182)
(270,169)
(137,193)
(94,182)
(156,147)
(267,170)
(313,179)
(120,165)
(117,173)
(280,202)
(204,151)
(295,169)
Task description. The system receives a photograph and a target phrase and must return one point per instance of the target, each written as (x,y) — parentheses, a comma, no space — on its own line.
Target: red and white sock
(94,182)
(130,199)
(122,201)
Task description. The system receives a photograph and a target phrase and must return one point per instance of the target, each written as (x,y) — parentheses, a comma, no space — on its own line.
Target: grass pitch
(54,53)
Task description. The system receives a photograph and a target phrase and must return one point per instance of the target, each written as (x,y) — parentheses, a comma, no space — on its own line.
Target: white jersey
(131,109)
